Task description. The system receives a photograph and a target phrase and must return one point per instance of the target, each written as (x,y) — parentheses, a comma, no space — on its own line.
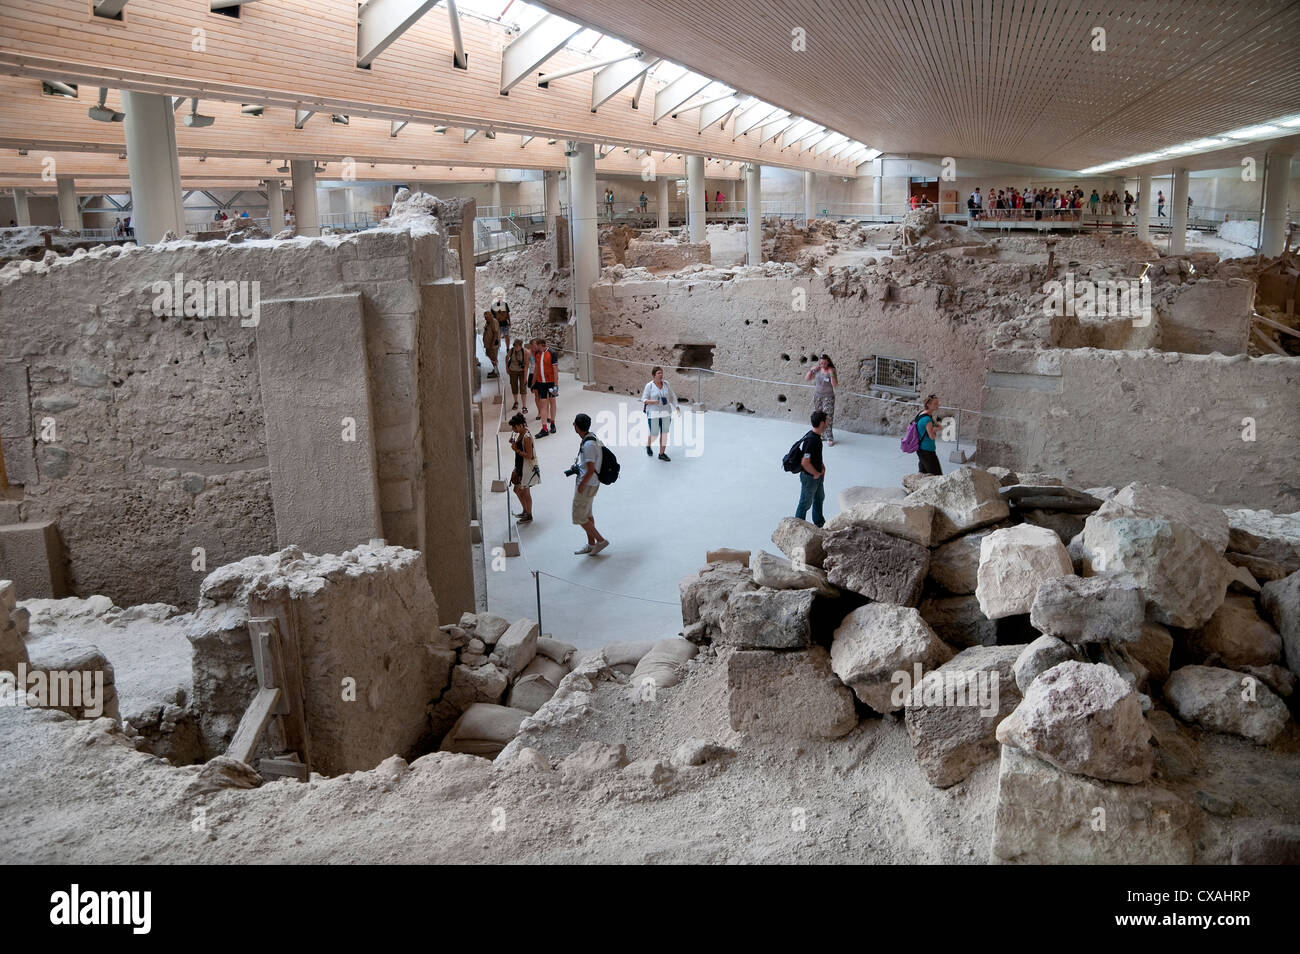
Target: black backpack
(792,462)
(609,465)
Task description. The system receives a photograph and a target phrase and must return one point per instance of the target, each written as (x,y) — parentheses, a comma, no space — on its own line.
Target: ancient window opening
(695,356)
(896,375)
(558,316)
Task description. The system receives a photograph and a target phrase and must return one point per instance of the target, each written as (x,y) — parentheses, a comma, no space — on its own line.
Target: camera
(571,472)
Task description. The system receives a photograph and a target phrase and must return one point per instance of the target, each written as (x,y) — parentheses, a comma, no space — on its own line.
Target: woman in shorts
(660,403)
(526,474)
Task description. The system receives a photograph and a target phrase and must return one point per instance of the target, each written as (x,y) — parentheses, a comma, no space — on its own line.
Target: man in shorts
(545,385)
(585,468)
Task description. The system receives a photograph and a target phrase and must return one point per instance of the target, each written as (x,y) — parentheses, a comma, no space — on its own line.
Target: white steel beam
(640,88)
(459,59)
(808,142)
(773,129)
(799,130)
(617,77)
(534,47)
(830,142)
(396,126)
(525,140)
(227,4)
(718,111)
(546,78)
(380,22)
(754,115)
(300,117)
(109,8)
(679,91)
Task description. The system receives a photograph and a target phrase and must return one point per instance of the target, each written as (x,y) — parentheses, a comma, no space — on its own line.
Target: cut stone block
(1207,521)
(895,517)
(315,383)
(879,649)
(1013,562)
(1237,635)
(1225,701)
(705,594)
(31,555)
(778,573)
(1046,816)
(788,695)
(800,541)
(1088,610)
(964,500)
(727,555)
(878,566)
(954,711)
(516,647)
(768,619)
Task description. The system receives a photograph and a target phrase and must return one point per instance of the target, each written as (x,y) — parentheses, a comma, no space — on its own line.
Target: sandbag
(483,729)
(665,663)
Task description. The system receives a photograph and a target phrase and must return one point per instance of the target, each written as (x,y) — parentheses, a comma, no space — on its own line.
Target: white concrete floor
(726,490)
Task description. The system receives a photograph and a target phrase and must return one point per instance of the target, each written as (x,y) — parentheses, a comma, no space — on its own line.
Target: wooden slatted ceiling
(290,53)
(32,121)
(1011,80)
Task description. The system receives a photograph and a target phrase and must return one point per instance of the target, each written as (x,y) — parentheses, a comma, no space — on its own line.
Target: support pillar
(1178,215)
(809,195)
(1146,202)
(155,170)
(661,201)
(22,209)
(754,212)
(551,198)
(274,206)
(586,258)
(69,211)
(877,195)
(306,212)
(496,197)
(695,197)
(1277,176)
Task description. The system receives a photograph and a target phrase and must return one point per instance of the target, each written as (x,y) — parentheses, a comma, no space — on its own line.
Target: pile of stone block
(1087,638)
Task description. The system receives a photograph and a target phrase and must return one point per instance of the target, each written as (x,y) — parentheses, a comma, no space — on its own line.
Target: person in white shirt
(660,404)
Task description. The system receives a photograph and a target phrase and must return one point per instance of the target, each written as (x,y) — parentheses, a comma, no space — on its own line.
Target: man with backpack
(545,385)
(805,459)
(587,469)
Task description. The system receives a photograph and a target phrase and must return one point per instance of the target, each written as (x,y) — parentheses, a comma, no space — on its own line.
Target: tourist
(1128,202)
(825,380)
(545,386)
(526,474)
(927,428)
(517,361)
(812,478)
(1160,205)
(915,202)
(660,404)
(718,200)
(977,201)
(585,468)
(643,201)
(501,312)
(1093,201)
(609,202)
(491,341)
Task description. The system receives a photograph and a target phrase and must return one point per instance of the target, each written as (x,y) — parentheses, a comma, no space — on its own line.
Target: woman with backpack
(526,473)
(825,380)
(920,437)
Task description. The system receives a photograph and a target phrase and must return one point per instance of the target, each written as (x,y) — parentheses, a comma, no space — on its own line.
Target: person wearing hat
(501,312)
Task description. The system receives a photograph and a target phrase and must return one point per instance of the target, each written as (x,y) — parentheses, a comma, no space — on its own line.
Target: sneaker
(538,417)
(586,549)
(543,432)
(598,546)
(664,457)
(492,374)
(648,451)
(515,406)
(524,517)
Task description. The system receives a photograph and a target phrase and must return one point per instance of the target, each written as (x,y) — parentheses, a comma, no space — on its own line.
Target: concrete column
(586,259)
(22,210)
(695,197)
(153,165)
(809,195)
(754,212)
(1146,203)
(1178,216)
(661,200)
(1277,177)
(274,206)
(496,197)
(877,194)
(69,211)
(306,212)
(551,197)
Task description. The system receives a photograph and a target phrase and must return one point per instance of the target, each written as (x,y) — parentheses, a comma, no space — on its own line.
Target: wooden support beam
(253,724)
